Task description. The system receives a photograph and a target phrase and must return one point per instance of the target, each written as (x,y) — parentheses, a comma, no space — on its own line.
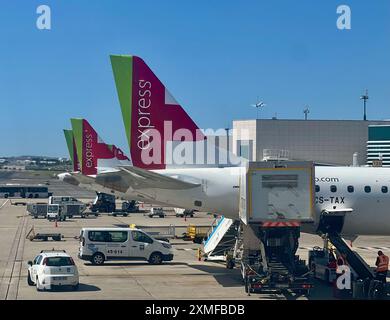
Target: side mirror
(30,263)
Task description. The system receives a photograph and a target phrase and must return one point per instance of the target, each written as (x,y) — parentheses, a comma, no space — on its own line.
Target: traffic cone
(56,224)
(185,217)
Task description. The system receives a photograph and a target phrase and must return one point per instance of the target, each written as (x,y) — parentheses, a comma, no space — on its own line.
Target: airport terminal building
(332,142)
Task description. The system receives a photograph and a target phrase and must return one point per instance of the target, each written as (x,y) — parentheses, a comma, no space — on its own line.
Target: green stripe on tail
(77,128)
(69,142)
(122,67)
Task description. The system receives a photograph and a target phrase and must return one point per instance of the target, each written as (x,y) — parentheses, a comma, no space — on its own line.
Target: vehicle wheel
(376,290)
(114,214)
(155,258)
(313,267)
(96,214)
(35,217)
(191,215)
(161,216)
(37,284)
(230,264)
(246,285)
(327,276)
(29,281)
(97,259)
(76,287)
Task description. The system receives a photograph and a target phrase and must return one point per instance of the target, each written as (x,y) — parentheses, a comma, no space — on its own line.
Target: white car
(52,268)
(98,245)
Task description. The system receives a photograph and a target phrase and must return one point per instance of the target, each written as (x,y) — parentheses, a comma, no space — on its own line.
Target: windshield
(59,261)
(52,208)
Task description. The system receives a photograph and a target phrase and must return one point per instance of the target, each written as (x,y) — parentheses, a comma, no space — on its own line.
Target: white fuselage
(218,192)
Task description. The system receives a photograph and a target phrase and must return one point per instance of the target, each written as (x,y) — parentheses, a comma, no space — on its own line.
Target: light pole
(306,112)
(227,139)
(365,98)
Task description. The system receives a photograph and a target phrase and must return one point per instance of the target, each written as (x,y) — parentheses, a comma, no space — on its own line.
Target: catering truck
(276,198)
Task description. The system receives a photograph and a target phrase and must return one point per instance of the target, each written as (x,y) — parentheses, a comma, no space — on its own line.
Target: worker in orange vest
(382,266)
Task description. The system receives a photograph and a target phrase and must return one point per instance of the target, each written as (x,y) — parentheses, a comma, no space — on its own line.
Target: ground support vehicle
(31,235)
(98,245)
(37,210)
(103,203)
(195,233)
(51,269)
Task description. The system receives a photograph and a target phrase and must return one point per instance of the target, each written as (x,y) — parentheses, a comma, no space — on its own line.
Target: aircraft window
(350,189)
(385,189)
(367,189)
(333,189)
(317,188)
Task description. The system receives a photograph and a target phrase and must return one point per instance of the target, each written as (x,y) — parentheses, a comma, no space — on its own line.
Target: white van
(101,244)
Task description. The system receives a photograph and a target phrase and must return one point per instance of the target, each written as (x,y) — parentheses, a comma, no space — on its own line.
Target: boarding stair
(355,261)
(220,239)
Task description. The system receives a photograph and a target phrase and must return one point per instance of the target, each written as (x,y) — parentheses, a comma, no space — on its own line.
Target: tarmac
(183,278)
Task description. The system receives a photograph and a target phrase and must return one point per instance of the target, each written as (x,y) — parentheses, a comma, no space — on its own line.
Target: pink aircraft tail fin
(93,154)
(154,121)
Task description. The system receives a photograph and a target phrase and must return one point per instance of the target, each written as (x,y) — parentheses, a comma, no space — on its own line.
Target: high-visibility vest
(383,264)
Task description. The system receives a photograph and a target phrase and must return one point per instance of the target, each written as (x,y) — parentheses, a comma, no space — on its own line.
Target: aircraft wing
(135,178)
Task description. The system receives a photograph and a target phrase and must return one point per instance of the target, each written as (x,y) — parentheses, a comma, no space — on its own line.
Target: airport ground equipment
(103,203)
(276,198)
(69,206)
(156,212)
(323,262)
(31,235)
(18,203)
(181,213)
(37,210)
(130,206)
(195,233)
(220,238)
(101,244)
(364,283)
(164,233)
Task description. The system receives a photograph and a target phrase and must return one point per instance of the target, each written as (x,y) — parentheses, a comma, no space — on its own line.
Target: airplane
(159,131)
(83,139)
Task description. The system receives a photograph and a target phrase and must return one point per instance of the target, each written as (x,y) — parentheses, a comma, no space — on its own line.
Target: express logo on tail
(153,119)
(92,152)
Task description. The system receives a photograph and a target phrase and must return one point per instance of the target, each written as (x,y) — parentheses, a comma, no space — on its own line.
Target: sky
(216,58)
